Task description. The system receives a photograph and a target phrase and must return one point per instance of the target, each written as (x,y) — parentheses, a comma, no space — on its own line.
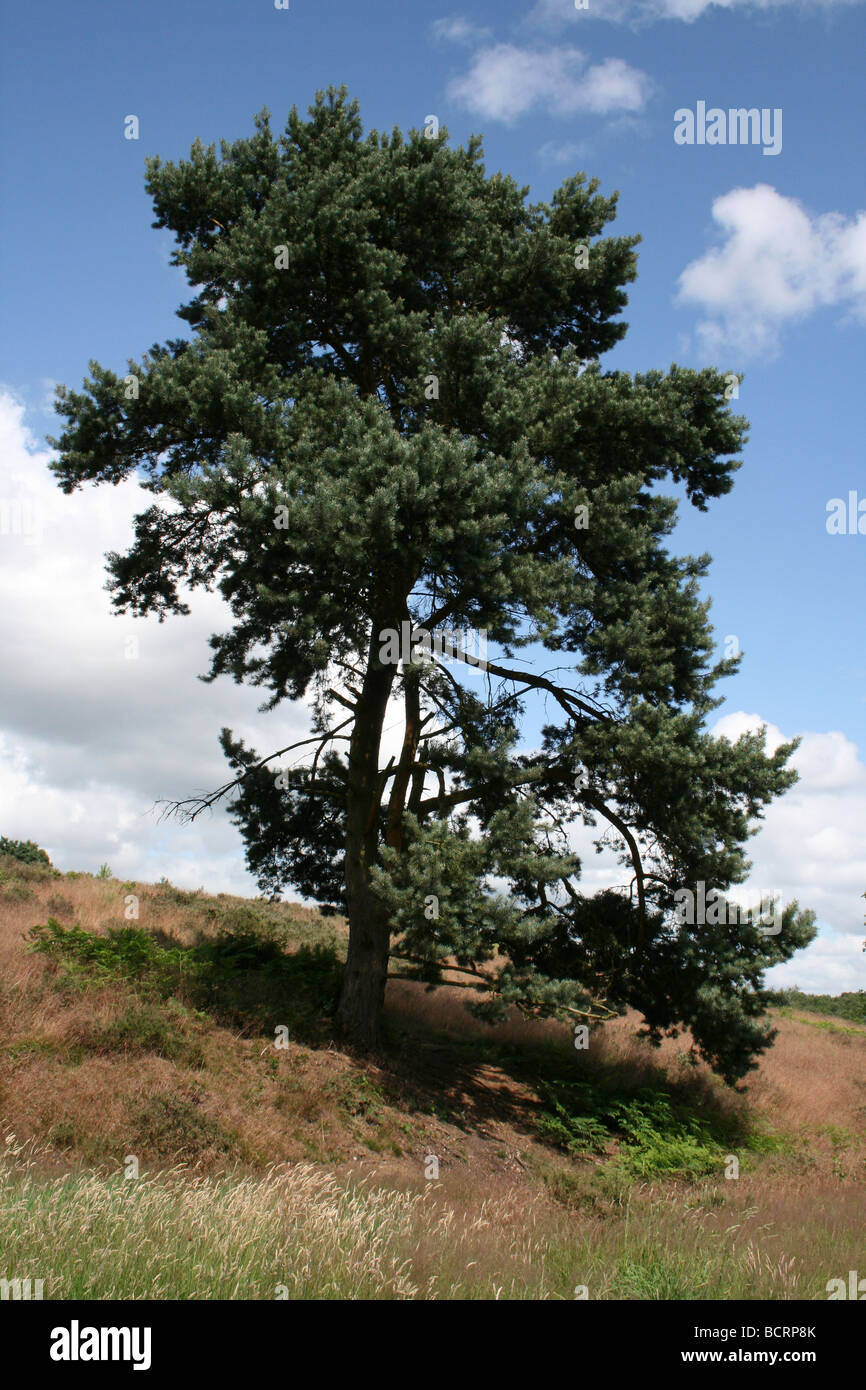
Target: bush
(25,851)
(176,1126)
(851,1005)
(126,951)
(656,1136)
(661,1138)
(575,1132)
(165,892)
(63,907)
(147,1028)
(243,978)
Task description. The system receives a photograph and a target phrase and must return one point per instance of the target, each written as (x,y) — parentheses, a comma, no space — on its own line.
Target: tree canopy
(390,417)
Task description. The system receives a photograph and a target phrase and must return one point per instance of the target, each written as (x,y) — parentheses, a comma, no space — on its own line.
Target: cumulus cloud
(776,264)
(458,30)
(556,14)
(504,82)
(810,847)
(563,152)
(102,715)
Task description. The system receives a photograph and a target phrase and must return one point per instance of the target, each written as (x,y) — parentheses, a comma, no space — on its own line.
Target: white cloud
(614,86)
(833,964)
(556,14)
(458,30)
(811,847)
(576,153)
(89,739)
(775,266)
(563,152)
(504,82)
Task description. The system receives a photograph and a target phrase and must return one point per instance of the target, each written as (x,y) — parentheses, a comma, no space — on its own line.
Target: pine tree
(390,411)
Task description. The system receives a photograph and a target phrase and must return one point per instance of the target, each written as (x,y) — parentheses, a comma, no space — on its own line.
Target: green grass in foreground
(299,1233)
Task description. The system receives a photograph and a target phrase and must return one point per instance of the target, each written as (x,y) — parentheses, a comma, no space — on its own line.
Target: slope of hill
(179,1122)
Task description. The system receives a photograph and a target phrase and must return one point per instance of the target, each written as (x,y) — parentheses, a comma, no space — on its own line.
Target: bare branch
(202,803)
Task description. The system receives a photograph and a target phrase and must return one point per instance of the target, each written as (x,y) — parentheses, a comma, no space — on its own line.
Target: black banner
(139,1339)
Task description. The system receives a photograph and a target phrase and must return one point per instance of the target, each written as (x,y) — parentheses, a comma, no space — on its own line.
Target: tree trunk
(359,1012)
(362,997)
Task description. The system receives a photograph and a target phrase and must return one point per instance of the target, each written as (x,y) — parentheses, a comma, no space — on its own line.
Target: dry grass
(298,1232)
(305,1168)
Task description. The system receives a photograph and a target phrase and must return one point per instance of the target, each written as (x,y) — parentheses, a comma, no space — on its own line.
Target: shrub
(147,1028)
(25,851)
(64,907)
(165,892)
(244,978)
(577,1133)
(175,1125)
(126,951)
(850,1005)
(656,1136)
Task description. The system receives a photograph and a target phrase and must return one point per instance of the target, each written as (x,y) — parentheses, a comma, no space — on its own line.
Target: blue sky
(751,262)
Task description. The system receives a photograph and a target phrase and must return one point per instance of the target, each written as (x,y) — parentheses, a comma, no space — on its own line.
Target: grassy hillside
(148,1044)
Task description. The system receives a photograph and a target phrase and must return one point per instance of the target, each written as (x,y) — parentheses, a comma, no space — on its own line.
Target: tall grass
(299,1233)
(559,1169)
